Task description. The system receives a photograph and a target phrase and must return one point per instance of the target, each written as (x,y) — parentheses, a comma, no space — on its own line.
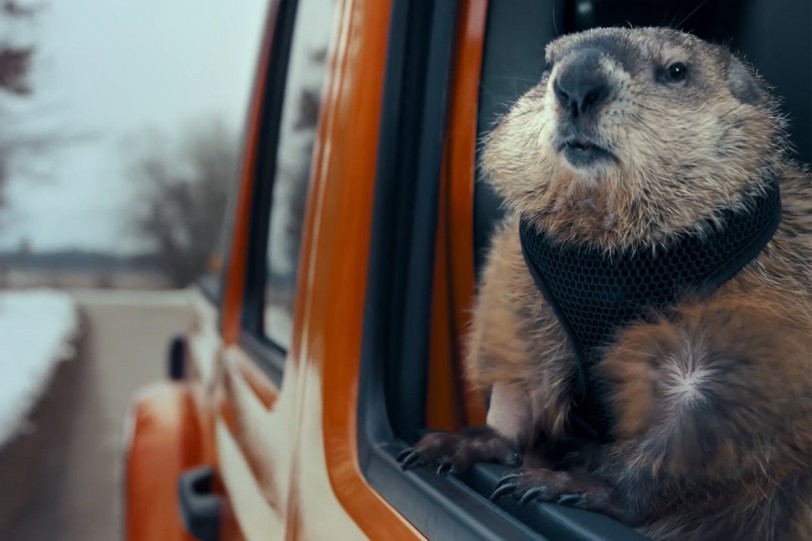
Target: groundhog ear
(742,82)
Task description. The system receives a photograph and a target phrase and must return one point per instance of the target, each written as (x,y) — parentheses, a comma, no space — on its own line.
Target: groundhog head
(633,135)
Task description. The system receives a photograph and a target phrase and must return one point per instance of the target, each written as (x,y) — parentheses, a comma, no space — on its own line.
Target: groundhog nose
(580,85)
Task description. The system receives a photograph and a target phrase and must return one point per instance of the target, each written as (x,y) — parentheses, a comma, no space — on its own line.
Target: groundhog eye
(675,72)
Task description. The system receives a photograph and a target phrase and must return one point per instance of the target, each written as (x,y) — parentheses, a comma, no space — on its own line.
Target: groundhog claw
(505,486)
(572,500)
(445,468)
(456,452)
(501,490)
(532,494)
(403,454)
(560,487)
(410,458)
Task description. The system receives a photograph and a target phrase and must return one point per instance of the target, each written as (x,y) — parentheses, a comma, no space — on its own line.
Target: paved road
(124,349)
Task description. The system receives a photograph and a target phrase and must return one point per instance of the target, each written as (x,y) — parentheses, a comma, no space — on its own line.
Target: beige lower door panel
(257,519)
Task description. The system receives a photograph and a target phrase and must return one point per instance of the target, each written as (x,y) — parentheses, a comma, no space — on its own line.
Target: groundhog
(643,325)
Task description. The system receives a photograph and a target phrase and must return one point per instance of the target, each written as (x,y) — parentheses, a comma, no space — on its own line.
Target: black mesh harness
(594,294)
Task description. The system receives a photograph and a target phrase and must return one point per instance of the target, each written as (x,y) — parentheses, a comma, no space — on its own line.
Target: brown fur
(713,401)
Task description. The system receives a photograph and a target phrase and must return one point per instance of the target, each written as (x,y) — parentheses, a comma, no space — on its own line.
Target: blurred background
(106,108)
(120,128)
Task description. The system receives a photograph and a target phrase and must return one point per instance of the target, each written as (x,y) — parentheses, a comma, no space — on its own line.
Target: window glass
(211,281)
(226,66)
(307,68)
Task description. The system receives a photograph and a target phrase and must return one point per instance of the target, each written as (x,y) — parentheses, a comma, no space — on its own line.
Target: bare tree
(15,66)
(15,61)
(183,191)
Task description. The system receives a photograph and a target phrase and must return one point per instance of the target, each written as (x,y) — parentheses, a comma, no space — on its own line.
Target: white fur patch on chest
(686,380)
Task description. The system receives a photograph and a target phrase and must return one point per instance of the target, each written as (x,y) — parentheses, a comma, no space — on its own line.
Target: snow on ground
(36,327)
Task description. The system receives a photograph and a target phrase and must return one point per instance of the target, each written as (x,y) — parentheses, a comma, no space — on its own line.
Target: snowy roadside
(36,331)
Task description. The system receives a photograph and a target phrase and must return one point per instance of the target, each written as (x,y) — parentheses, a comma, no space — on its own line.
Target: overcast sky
(116,69)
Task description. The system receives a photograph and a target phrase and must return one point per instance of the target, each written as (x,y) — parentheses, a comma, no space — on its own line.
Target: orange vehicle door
(311,145)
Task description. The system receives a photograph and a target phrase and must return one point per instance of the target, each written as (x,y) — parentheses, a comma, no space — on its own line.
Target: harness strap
(594,295)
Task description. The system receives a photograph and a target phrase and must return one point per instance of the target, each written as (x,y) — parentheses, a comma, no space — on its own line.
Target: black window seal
(408,385)
(265,166)
(268,355)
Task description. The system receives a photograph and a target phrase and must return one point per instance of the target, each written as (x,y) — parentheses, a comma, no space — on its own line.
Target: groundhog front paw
(457,452)
(545,485)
